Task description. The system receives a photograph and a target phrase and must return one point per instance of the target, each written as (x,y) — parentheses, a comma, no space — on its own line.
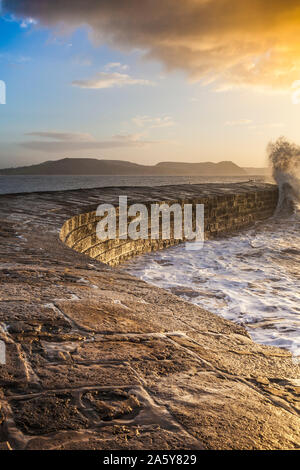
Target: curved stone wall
(224,213)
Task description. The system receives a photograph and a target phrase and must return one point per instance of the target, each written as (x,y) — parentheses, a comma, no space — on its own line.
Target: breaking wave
(284,158)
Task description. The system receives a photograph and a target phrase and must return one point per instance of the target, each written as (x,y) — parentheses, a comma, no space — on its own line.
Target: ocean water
(24,184)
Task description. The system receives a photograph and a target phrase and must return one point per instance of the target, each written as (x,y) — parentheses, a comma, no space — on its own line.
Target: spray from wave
(284,158)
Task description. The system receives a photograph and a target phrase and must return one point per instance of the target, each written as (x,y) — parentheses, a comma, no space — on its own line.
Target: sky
(148,80)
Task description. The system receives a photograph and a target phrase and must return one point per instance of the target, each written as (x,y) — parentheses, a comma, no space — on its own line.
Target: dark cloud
(246,42)
(63,136)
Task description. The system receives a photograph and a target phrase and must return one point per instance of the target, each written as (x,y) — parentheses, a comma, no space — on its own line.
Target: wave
(284,158)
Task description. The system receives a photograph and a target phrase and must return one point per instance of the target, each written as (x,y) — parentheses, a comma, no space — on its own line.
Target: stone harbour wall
(223,214)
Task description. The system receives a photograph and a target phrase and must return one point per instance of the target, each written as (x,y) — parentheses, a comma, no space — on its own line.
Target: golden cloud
(228,42)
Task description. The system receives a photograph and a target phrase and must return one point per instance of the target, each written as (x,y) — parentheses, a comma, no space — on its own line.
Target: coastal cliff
(98,359)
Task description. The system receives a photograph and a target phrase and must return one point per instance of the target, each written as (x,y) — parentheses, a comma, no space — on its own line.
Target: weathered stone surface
(104,317)
(203,403)
(46,414)
(118,437)
(97,359)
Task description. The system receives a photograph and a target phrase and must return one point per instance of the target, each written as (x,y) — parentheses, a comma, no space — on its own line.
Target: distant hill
(93,166)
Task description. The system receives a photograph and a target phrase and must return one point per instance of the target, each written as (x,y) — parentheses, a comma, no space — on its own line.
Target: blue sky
(70,96)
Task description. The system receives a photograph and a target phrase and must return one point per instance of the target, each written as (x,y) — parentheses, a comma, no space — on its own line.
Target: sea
(24,184)
(252,278)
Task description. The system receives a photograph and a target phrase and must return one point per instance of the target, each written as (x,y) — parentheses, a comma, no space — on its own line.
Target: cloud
(14,59)
(63,136)
(226,42)
(296,92)
(65,142)
(271,125)
(249,124)
(110,80)
(275,125)
(27,22)
(153,122)
(116,65)
(239,122)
